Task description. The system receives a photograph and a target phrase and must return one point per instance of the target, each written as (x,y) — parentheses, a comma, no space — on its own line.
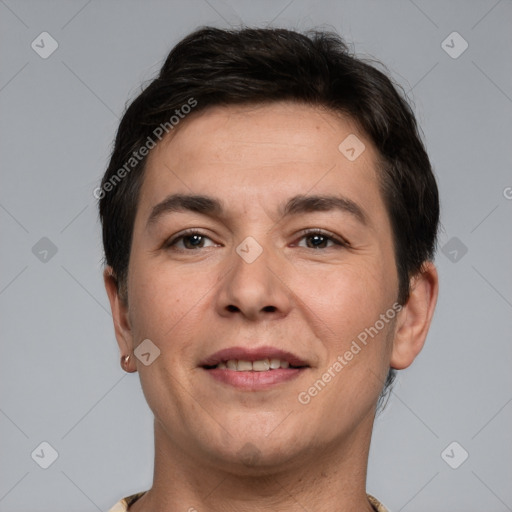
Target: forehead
(281,130)
(269,151)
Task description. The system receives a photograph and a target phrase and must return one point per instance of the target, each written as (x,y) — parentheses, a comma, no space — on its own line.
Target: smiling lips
(255,359)
(253,369)
(262,365)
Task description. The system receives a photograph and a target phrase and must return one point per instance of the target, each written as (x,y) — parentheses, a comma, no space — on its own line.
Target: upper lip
(252,354)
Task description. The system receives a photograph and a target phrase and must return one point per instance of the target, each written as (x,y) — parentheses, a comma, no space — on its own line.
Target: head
(257,119)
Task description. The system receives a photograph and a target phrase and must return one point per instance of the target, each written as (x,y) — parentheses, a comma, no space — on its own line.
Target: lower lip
(254,381)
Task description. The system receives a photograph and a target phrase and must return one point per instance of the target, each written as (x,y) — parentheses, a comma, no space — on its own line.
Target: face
(290,249)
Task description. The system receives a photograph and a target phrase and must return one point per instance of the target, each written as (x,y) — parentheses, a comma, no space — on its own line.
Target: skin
(219,448)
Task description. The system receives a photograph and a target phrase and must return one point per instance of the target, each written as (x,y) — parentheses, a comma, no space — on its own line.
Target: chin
(252,459)
(254,453)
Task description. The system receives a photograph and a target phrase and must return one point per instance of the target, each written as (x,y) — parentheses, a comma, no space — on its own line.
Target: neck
(327,480)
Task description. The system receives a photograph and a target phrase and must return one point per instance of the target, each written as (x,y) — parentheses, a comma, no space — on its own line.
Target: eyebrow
(296,205)
(204,205)
(324,203)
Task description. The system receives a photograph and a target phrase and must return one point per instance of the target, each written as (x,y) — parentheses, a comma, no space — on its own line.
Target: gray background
(60,377)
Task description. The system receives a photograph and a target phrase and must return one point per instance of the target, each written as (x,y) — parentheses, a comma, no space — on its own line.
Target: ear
(414,319)
(120,316)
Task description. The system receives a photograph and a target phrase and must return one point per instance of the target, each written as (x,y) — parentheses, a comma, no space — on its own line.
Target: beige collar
(124,504)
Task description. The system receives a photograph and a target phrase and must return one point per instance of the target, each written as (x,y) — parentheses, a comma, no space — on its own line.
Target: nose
(255,290)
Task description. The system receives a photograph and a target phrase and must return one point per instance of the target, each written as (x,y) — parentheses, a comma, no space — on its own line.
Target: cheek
(345,305)
(348,294)
(152,302)
(165,302)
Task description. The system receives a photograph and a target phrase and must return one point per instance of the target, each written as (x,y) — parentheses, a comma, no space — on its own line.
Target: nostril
(269,309)
(232,308)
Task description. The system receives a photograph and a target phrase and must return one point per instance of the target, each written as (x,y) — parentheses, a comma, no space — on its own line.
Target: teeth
(262,365)
(244,366)
(275,364)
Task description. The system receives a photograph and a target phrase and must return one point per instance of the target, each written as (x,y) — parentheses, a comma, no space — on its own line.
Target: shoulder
(376,504)
(124,504)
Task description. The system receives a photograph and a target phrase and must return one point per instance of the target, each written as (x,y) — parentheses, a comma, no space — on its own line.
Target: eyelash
(305,233)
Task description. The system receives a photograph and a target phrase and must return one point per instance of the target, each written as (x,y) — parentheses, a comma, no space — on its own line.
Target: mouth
(261,365)
(262,359)
(253,369)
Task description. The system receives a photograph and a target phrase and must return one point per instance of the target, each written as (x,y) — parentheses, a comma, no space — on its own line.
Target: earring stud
(124,362)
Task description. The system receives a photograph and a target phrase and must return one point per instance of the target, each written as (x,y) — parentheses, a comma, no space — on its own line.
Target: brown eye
(190,241)
(316,239)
